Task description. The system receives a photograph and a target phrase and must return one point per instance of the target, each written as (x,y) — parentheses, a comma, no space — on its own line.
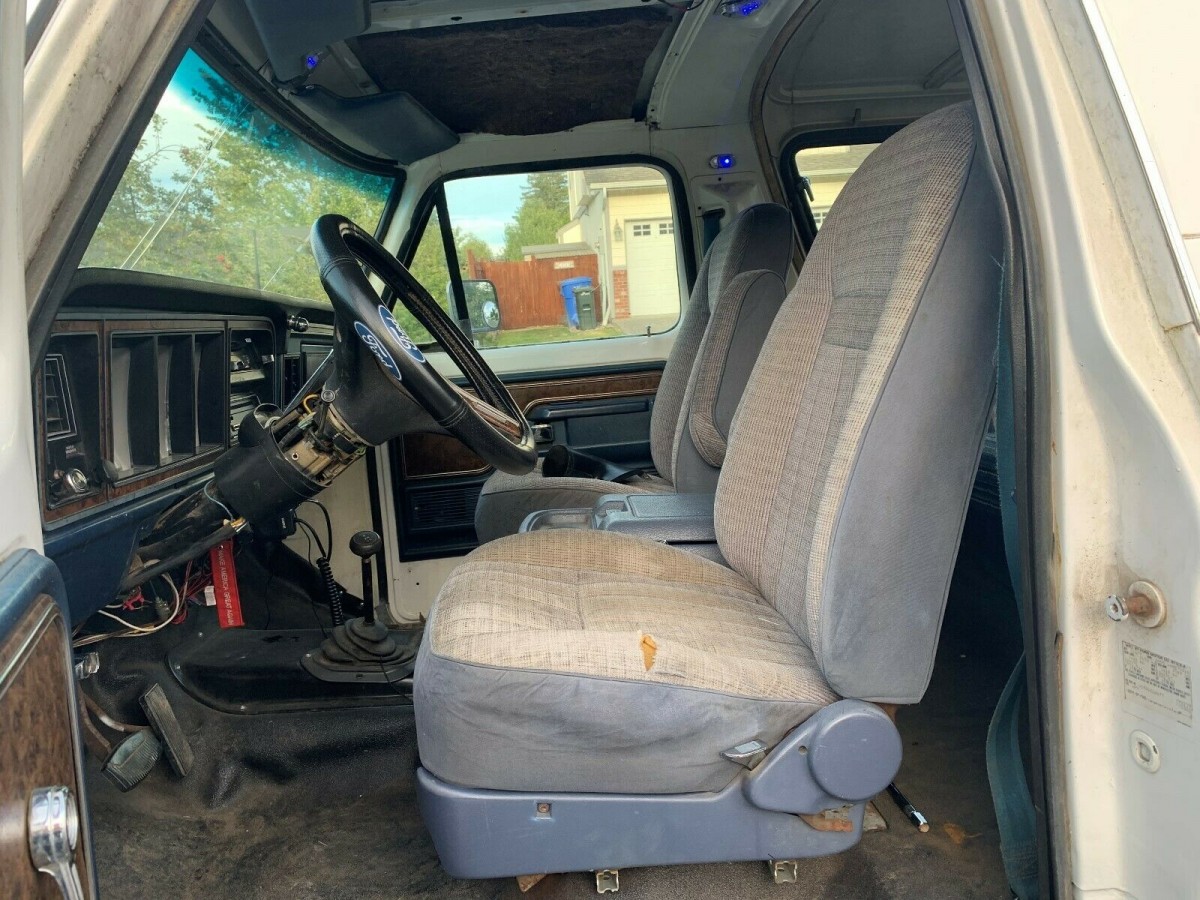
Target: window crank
(53,836)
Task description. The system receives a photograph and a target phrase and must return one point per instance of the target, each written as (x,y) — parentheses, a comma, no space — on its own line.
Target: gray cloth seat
(580,661)
(737,294)
(541,641)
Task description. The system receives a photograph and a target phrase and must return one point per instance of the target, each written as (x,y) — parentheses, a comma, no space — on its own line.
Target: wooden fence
(527,290)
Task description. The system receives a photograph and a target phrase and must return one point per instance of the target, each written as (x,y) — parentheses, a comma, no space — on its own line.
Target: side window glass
(429,267)
(825,170)
(548,257)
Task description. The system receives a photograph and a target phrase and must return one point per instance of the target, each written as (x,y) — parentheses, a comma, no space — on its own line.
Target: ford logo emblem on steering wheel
(376,347)
(401,336)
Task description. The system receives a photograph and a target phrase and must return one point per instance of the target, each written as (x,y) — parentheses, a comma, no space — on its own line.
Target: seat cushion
(507,499)
(597,662)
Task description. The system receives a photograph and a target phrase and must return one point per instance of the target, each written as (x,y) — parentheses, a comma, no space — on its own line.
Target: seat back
(759,238)
(852,455)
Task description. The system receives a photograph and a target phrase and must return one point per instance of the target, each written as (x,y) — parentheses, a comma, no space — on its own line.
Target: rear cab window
(816,166)
(565,255)
(825,171)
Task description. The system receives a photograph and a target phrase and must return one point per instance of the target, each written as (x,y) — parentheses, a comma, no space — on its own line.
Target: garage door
(652,270)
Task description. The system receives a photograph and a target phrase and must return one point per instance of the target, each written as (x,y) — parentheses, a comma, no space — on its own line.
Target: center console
(682,520)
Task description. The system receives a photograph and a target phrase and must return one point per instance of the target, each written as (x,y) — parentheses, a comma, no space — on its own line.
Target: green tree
(136,206)
(544,209)
(255,190)
(239,202)
(429,267)
(468,242)
(238,208)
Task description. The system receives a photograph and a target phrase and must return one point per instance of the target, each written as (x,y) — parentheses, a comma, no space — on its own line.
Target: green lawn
(544,334)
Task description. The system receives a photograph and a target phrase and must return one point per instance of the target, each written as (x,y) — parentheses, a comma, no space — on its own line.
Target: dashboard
(127,402)
(141,387)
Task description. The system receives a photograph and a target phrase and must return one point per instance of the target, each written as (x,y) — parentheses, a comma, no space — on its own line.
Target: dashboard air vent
(56,397)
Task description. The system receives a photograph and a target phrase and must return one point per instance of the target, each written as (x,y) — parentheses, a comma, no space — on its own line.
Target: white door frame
(20,526)
(1116,468)
(85,83)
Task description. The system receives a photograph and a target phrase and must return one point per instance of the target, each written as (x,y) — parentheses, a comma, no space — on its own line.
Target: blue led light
(740,8)
(312,60)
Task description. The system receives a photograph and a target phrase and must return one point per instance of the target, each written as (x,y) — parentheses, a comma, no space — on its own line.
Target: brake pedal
(132,759)
(129,760)
(162,719)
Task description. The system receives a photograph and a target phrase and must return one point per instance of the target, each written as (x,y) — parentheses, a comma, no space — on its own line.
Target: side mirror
(482,305)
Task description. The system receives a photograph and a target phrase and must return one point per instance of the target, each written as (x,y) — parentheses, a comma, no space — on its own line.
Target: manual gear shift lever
(362,649)
(365,545)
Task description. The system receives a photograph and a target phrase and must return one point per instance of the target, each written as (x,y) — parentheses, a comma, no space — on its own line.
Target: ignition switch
(71,483)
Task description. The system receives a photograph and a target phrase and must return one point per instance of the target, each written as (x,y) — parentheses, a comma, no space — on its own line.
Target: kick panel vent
(448,507)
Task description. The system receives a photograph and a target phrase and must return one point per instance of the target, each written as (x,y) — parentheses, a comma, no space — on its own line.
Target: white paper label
(1159,682)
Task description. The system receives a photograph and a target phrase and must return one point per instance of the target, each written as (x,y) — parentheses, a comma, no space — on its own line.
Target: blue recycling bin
(567,289)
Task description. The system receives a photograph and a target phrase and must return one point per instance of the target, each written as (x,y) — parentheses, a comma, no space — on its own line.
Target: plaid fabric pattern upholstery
(803,415)
(592,661)
(580,602)
(760,237)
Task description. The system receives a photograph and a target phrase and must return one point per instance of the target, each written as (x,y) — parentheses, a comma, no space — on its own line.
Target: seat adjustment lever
(749,754)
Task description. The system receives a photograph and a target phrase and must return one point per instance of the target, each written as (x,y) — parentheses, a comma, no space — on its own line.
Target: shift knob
(365,544)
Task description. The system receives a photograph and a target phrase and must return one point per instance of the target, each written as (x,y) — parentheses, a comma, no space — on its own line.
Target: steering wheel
(373,355)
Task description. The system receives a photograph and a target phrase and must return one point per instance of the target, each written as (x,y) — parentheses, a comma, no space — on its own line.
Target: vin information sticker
(1159,682)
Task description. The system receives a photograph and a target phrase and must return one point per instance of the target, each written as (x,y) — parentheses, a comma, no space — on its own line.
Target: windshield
(219,191)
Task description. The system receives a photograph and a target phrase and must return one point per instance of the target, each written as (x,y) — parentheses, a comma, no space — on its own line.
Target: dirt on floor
(319,830)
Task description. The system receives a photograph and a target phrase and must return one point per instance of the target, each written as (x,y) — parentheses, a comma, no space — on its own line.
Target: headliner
(566,70)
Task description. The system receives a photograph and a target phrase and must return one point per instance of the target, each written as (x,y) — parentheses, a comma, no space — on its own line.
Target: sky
(181,115)
(484,205)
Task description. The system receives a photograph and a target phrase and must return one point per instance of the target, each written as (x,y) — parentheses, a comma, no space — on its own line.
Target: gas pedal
(162,719)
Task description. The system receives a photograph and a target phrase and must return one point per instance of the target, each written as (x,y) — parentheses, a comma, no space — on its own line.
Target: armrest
(670,518)
(557,518)
(683,520)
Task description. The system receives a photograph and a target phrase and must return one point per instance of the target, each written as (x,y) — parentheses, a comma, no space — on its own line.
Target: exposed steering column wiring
(283,459)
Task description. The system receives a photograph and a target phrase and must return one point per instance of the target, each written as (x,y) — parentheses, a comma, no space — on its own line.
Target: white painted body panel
(1158,71)
(1125,452)
(20,524)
